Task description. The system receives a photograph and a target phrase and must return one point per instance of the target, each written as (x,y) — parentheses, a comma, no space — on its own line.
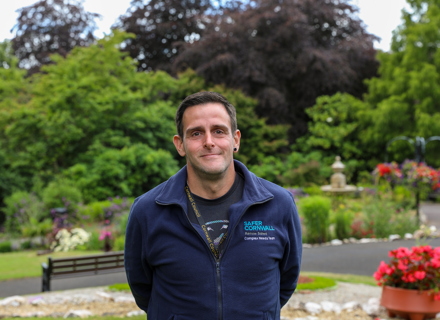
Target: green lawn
(352,278)
(24,264)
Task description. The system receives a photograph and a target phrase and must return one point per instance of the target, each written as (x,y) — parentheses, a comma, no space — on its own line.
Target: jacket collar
(173,191)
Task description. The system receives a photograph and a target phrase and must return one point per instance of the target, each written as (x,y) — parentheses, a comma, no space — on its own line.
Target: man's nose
(209,142)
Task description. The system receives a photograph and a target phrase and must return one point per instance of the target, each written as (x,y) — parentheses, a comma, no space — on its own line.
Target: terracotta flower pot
(409,304)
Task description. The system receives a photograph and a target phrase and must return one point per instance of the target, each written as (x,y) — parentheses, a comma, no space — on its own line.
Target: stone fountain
(338,181)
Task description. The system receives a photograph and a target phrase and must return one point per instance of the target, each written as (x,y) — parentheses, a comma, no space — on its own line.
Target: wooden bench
(81,266)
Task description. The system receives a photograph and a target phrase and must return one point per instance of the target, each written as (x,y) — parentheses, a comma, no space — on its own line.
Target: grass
(352,278)
(25,264)
(317,284)
(142,317)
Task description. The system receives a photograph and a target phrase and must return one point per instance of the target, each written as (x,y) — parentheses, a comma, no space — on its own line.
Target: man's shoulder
(275,189)
(149,197)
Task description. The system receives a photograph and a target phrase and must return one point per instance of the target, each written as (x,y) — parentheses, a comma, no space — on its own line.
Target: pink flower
(105,234)
(420,275)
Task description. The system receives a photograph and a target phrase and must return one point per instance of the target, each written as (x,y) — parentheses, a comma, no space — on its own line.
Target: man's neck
(211,189)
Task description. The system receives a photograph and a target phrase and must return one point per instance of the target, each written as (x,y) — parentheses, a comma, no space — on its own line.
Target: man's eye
(218,131)
(195,134)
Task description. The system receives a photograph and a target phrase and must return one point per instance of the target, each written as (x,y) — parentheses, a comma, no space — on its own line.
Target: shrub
(316,211)
(378,215)
(26,245)
(20,207)
(122,223)
(5,246)
(342,224)
(94,243)
(61,194)
(119,243)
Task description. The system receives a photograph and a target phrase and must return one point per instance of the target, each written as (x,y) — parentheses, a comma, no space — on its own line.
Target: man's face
(208,142)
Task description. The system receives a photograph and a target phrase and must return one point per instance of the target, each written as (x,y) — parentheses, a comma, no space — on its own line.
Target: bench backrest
(93,264)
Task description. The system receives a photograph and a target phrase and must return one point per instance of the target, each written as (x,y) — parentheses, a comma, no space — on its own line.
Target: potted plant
(411,282)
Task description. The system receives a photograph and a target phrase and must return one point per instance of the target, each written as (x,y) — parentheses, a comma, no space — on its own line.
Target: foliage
(342,224)
(61,194)
(119,243)
(334,129)
(110,209)
(295,169)
(68,240)
(51,26)
(316,210)
(20,207)
(416,177)
(379,215)
(368,280)
(94,243)
(36,228)
(5,246)
(404,99)
(285,54)
(159,25)
(418,268)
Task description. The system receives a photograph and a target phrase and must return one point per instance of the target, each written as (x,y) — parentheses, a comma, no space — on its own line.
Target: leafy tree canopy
(404,99)
(159,25)
(285,54)
(94,122)
(51,26)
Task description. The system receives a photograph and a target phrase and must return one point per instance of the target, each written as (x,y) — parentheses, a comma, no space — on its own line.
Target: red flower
(420,275)
(383,169)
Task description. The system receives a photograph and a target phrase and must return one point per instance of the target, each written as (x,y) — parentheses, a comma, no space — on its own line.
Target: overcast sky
(380,16)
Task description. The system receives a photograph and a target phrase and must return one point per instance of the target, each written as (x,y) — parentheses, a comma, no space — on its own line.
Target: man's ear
(237,137)
(178,143)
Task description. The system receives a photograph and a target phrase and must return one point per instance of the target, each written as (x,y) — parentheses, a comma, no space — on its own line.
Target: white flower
(70,240)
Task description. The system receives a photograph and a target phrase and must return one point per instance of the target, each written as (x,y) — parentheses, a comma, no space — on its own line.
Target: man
(214,241)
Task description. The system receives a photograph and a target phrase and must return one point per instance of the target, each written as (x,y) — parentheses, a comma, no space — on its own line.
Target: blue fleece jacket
(174,275)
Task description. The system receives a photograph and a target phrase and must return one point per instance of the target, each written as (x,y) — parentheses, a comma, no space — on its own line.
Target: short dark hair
(203,98)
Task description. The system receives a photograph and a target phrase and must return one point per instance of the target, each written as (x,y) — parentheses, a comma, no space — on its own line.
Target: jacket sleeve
(291,262)
(139,273)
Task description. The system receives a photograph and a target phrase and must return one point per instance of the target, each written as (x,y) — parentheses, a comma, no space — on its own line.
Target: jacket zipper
(217,261)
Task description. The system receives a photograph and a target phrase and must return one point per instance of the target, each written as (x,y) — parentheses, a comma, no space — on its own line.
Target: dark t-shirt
(215,211)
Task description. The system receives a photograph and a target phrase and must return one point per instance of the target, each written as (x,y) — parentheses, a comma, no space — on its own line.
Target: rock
(353,240)
(307,245)
(331,307)
(437,316)
(313,308)
(393,237)
(372,308)
(307,318)
(368,240)
(13,301)
(408,236)
(77,314)
(124,299)
(104,295)
(36,301)
(336,242)
(351,306)
(135,313)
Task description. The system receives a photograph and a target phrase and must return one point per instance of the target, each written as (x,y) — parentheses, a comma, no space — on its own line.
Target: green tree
(335,129)
(405,99)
